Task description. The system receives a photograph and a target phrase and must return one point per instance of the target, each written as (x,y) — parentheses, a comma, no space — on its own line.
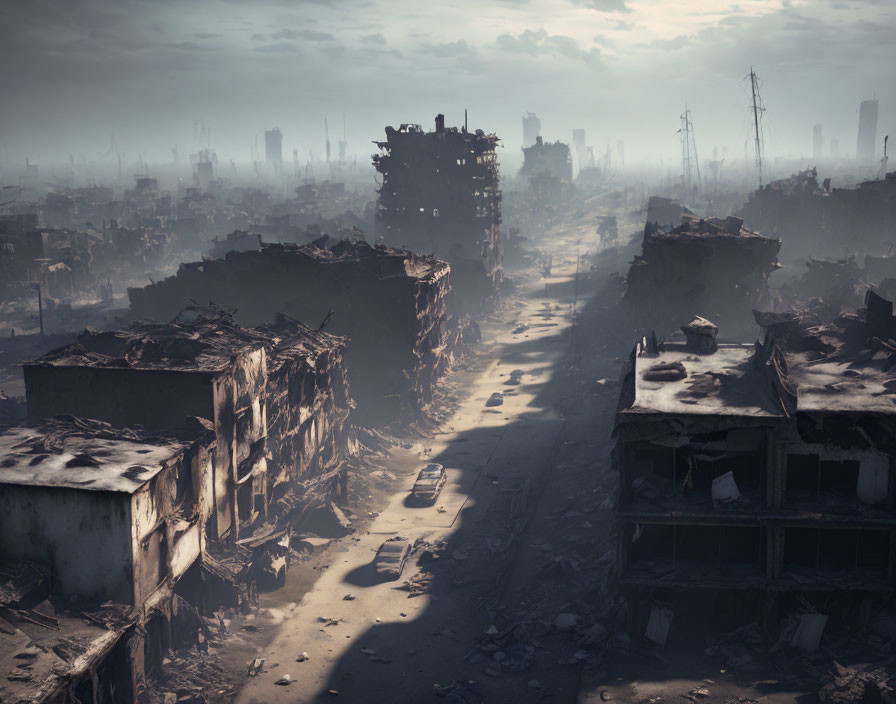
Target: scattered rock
(565,621)
(302,658)
(496,399)
(349,597)
(284,681)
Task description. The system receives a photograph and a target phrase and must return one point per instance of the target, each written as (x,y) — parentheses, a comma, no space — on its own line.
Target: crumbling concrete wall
(440,195)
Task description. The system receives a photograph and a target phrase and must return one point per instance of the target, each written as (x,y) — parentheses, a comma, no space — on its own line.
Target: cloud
(604,5)
(539,42)
(204,35)
(307,34)
(277,48)
(458,49)
(376,38)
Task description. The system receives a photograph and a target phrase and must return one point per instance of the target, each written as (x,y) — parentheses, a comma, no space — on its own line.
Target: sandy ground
(384,648)
(522,535)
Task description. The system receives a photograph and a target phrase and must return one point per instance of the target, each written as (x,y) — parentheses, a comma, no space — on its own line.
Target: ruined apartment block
(98,528)
(762,470)
(440,195)
(393,359)
(276,396)
(548,168)
(714,266)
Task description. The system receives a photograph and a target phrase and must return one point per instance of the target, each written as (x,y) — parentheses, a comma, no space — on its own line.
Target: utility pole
(757,110)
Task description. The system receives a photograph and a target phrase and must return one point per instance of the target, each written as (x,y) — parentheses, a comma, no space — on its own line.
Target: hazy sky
(78,71)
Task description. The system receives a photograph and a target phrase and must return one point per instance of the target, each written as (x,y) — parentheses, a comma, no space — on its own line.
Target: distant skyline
(78,72)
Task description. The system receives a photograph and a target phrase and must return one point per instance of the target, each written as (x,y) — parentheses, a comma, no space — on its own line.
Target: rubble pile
(709,266)
(441,194)
(392,361)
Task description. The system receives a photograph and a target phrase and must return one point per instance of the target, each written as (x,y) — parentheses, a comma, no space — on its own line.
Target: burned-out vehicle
(429,484)
(391,557)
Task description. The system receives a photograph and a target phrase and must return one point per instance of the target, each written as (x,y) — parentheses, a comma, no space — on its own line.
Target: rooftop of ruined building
(701,229)
(411,133)
(379,260)
(89,455)
(716,383)
(847,366)
(201,339)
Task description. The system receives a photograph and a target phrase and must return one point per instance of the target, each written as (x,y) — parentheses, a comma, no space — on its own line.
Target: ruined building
(91,607)
(440,195)
(548,168)
(760,470)
(276,397)
(816,220)
(391,304)
(531,129)
(714,266)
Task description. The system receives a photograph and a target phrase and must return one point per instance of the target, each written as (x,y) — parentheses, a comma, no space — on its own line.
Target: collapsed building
(276,397)
(818,220)
(759,472)
(102,535)
(393,359)
(440,194)
(548,168)
(714,265)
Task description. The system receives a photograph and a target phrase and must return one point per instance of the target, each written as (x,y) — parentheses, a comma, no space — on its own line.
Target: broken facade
(99,529)
(712,265)
(760,470)
(440,194)
(276,396)
(390,303)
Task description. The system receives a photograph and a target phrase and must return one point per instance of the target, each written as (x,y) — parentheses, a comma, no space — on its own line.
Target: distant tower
(273,148)
(867,131)
(835,148)
(817,142)
(531,129)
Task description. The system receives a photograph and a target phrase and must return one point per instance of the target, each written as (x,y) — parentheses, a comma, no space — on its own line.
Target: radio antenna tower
(689,161)
(758,109)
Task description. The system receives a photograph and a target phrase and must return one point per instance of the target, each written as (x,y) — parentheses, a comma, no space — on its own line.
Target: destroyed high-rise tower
(273,147)
(531,129)
(817,142)
(867,131)
(440,196)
